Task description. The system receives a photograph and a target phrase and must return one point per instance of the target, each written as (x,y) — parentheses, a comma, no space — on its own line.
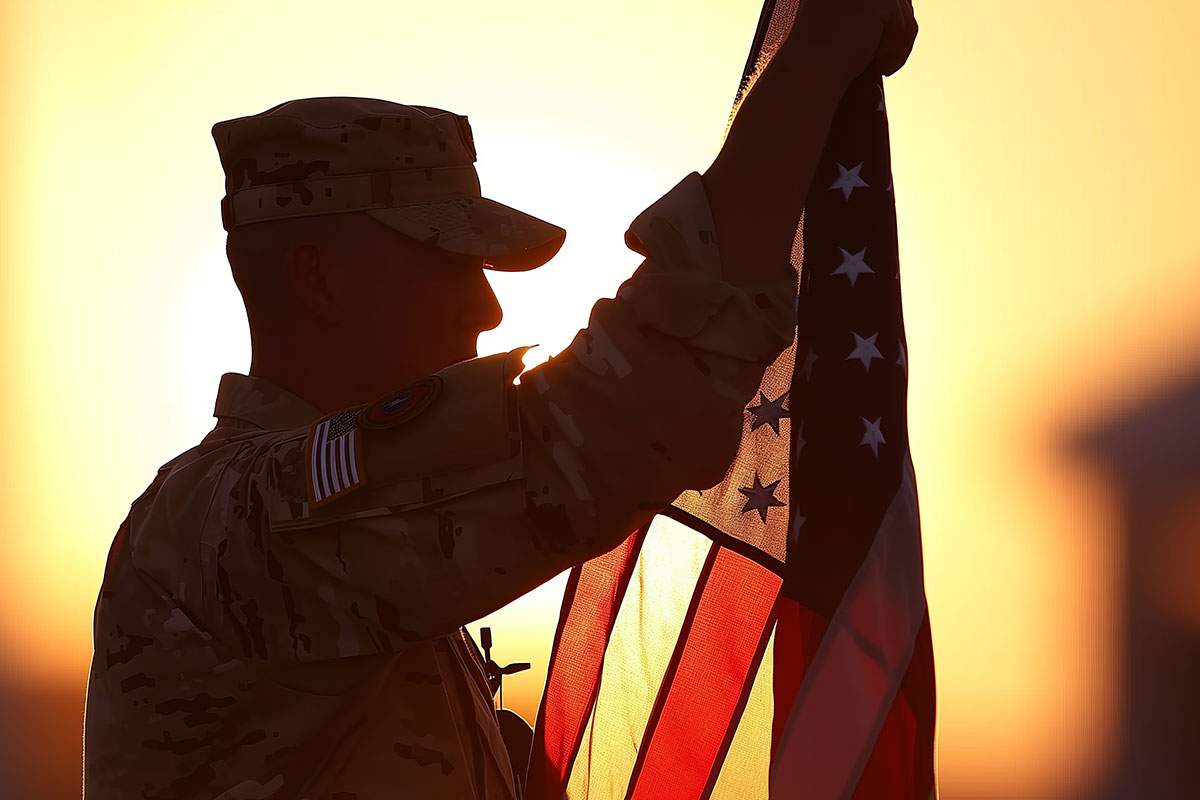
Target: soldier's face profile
(415,305)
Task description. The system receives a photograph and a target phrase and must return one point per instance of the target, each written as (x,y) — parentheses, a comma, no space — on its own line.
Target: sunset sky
(1045,165)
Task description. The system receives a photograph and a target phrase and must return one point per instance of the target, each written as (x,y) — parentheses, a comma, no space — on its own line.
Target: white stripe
(331,458)
(318,448)
(335,463)
(324,456)
(856,672)
(346,458)
(312,461)
(353,463)
(343,476)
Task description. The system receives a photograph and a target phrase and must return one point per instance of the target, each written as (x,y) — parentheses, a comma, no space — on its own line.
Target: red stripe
(901,766)
(705,688)
(798,634)
(593,596)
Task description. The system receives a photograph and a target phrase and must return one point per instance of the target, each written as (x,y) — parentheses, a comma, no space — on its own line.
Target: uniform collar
(246,401)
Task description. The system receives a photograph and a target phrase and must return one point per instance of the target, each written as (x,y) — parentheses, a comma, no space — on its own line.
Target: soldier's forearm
(758,182)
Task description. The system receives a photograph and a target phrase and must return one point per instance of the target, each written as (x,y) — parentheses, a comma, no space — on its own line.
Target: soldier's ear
(317,280)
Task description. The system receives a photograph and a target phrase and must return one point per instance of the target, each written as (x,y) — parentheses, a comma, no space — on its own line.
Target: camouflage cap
(410,167)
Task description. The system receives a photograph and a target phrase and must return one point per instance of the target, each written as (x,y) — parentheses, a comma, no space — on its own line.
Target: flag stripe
(706,684)
(798,632)
(594,594)
(343,477)
(335,484)
(312,465)
(335,473)
(352,458)
(848,689)
(640,647)
(739,546)
(901,765)
(320,454)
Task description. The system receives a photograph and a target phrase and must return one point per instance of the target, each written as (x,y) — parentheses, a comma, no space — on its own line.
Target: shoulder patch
(334,457)
(400,406)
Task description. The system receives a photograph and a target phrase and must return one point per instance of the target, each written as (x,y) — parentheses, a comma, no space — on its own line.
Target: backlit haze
(1045,168)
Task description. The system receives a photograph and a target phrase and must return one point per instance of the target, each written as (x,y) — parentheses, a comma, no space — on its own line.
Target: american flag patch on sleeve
(335,458)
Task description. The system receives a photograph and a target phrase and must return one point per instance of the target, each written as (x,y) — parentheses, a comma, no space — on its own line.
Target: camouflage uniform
(250,643)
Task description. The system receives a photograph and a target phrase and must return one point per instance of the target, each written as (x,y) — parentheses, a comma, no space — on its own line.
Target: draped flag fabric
(769,637)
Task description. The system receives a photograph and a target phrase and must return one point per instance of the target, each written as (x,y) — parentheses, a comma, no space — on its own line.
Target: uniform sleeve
(498,486)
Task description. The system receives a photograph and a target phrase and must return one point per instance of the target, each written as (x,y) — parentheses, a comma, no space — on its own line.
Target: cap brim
(507,239)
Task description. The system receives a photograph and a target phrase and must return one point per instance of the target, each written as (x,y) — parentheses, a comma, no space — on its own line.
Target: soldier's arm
(496,487)
(757,183)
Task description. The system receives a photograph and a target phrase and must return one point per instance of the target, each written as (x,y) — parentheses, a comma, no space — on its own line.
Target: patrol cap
(410,167)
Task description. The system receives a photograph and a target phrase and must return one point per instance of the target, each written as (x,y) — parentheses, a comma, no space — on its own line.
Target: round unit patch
(401,406)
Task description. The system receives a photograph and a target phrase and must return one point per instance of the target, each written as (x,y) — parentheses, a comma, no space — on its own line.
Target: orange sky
(1044,159)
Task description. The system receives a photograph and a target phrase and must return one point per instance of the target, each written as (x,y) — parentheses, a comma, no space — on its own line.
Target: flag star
(800,440)
(760,498)
(810,358)
(848,180)
(853,265)
(901,359)
(872,436)
(865,350)
(769,412)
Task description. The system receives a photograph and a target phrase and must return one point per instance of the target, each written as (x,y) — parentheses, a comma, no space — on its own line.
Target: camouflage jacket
(250,643)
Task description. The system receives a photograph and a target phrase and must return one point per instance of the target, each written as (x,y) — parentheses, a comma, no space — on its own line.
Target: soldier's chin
(463,355)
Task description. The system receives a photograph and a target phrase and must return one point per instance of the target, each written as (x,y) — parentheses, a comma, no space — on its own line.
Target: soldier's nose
(483,311)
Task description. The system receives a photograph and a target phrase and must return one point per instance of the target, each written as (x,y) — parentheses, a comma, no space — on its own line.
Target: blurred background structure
(1150,454)
(1045,172)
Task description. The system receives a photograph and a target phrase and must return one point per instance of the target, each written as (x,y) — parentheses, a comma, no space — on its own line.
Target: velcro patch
(401,406)
(333,453)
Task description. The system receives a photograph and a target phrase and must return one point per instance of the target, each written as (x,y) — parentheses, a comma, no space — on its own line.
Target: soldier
(282,611)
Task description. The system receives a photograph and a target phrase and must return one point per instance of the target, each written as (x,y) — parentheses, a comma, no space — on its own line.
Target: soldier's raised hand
(876,35)
(759,180)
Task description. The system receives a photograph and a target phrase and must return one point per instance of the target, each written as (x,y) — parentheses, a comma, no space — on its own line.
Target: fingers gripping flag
(769,637)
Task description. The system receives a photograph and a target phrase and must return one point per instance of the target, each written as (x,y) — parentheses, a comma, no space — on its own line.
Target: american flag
(334,457)
(773,640)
